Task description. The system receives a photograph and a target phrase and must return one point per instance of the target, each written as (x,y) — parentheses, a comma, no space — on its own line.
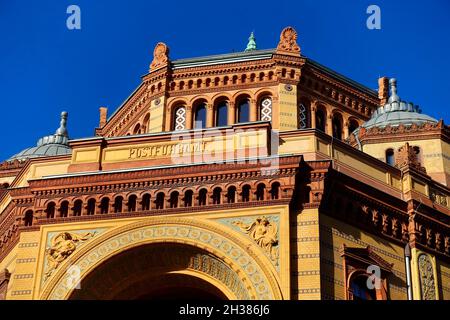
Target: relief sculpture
(61,247)
(264,233)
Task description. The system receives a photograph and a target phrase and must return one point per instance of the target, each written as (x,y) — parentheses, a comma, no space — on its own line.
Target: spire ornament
(62,130)
(251,46)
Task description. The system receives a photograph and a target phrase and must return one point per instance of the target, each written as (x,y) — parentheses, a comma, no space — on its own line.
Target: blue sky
(46,68)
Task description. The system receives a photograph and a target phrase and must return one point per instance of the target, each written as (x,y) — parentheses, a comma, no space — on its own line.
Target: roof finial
(393,86)
(251,46)
(62,130)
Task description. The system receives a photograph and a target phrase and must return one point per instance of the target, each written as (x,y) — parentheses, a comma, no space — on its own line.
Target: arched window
(179,119)
(231,194)
(77,208)
(222,114)
(146,202)
(64,209)
(132,200)
(246,193)
(137,129)
(159,201)
(390,157)
(118,201)
(28,219)
(320,120)
(275,191)
(337,126)
(200,116)
(145,123)
(50,210)
(174,199)
(260,190)
(243,111)
(202,197)
(302,119)
(90,207)
(418,153)
(265,109)
(352,126)
(104,206)
(217,194)
(359,289)
(188,196)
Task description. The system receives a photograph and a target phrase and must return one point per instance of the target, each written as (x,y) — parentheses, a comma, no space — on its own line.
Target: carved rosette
(426,275)
(288,42)
(160,56)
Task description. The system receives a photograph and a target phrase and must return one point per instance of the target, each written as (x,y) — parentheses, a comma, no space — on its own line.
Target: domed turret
(52,145)
(396,112)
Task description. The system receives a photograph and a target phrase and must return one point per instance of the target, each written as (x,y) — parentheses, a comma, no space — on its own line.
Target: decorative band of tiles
(305,223)
(331,263)
(332,280)
(305,291)
(306,273)
(21,292)
(28,245)
(24,276)
(361,243)
(306,256)
(27,260)
(305,239)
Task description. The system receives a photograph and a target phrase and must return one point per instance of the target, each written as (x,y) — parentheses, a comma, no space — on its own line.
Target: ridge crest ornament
(288,42)
(160,56)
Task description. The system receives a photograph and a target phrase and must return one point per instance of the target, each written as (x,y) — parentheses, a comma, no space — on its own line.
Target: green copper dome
(52,145)
(397,112)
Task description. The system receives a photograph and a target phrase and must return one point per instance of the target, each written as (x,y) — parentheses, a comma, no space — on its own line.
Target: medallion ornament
(288,42)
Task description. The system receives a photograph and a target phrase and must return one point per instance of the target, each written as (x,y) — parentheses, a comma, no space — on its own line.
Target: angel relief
(264,233)
(61,247)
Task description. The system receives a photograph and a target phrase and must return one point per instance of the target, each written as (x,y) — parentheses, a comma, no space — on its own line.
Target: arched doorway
(159,271)
(227,263)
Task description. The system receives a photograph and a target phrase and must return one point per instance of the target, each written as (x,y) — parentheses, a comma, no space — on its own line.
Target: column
(313,114)
(231,113)
(209,116)
(253,110)
(188,117)
(346,130)
(329,128)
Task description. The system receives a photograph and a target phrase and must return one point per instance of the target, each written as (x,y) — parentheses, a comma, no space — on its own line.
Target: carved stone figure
(426,275)
(160,56)
(61,247)
(264,233)
(288,41)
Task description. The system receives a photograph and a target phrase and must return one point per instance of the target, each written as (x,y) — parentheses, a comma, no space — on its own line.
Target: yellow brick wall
(305,255)
(333,235)
(434,153)
(24,273)
(443,273)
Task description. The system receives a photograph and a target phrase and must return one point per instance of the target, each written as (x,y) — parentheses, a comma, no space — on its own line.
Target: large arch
(208,238)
